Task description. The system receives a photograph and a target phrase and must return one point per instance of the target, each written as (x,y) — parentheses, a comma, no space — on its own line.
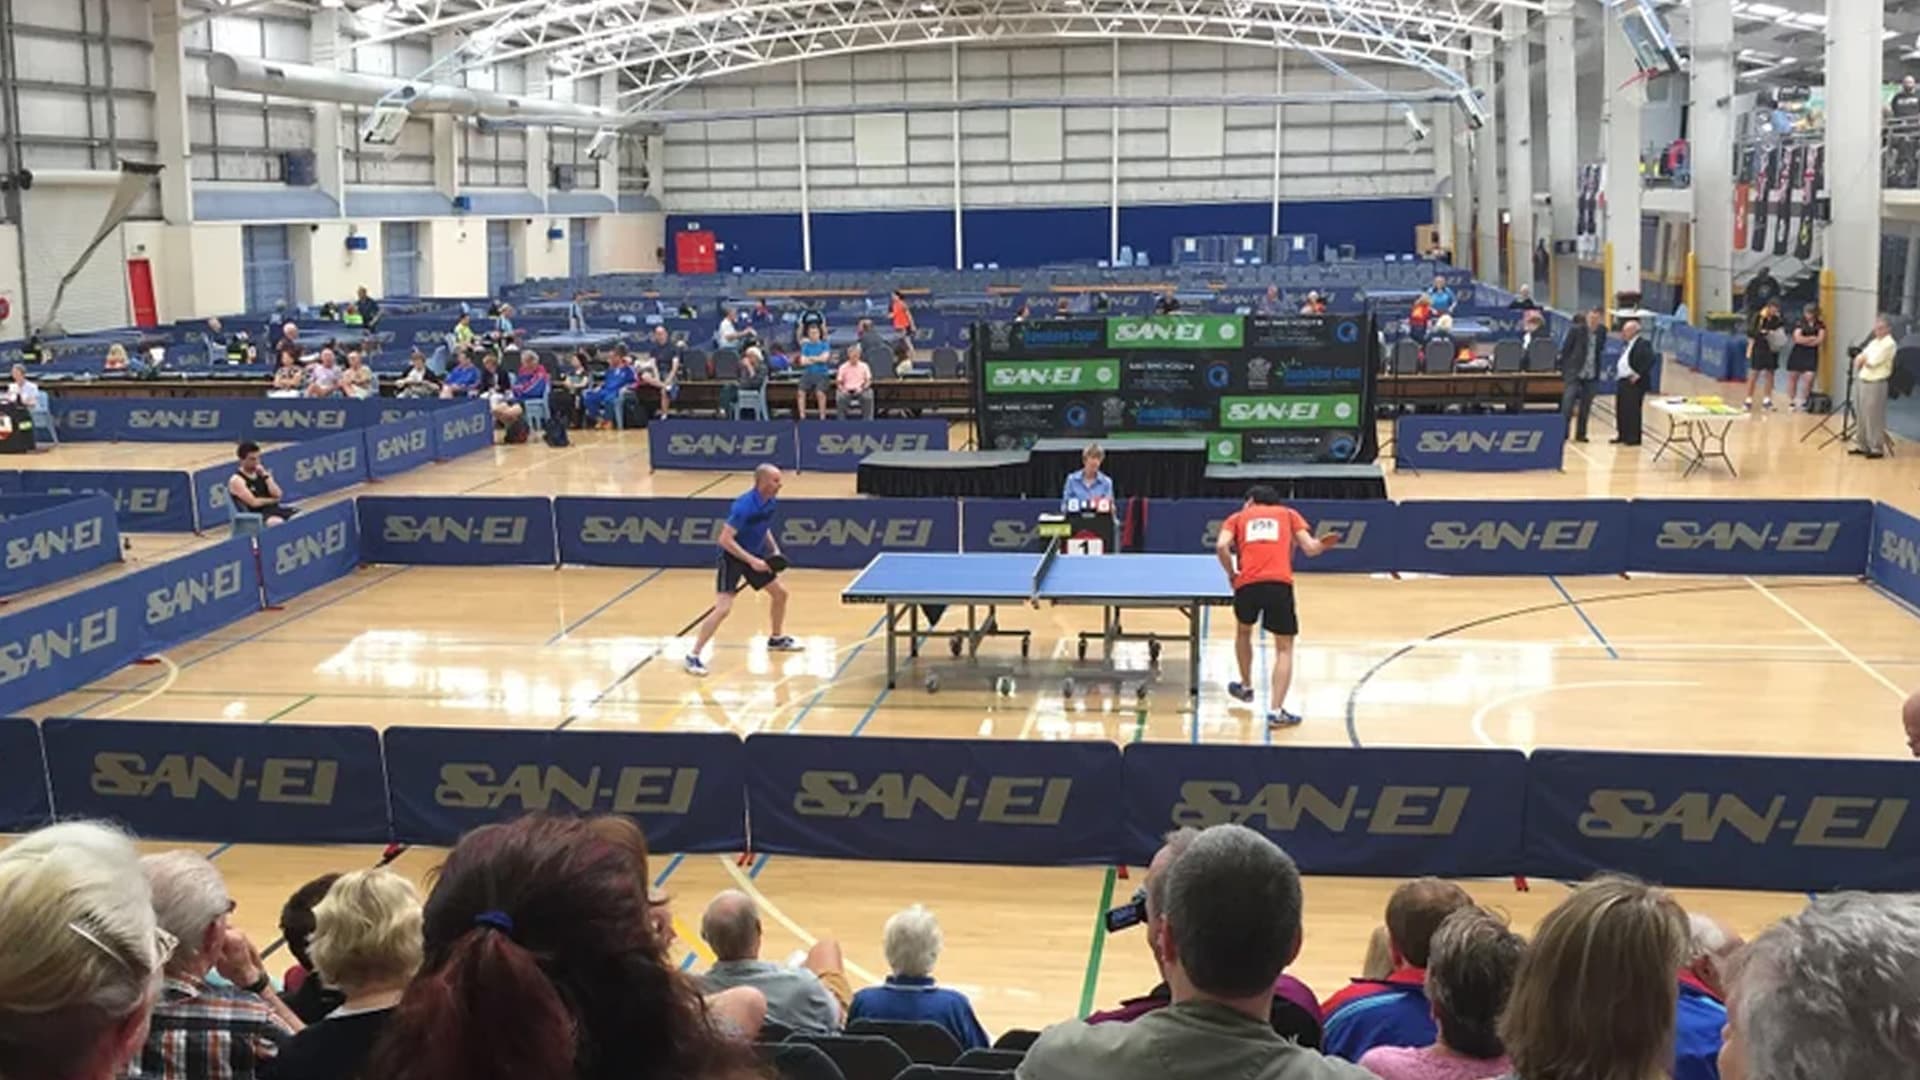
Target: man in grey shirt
(1231,924)
(797,997)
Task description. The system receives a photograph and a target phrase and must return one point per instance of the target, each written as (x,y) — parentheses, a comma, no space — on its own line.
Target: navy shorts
(733,573)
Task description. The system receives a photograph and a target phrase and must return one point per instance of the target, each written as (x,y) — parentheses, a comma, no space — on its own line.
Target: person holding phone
(253,490)
(749,554)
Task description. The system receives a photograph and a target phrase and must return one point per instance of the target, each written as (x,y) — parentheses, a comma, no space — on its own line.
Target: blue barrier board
(1338,811)
(943,800)
(312,549)
(23,777)
(318,466)
(639,532)
(13,505)
(186,420)
(51,648)
(232,783)
(838,445)
(1005,525)
(395,447)
(1893,560)
(1367,529)
(1786,823)
(464,531)
(145,500)
(682,787)
(212,503)
(1480,442)
(462,428)
(726,445)
(1746,536)
(817,534)
(1531,536)
(193,595)
(58,542)
(271,420)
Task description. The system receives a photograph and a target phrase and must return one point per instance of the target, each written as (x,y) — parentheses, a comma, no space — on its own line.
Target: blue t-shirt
(818,356)
(1077,488)
(752,519)
(1442,299)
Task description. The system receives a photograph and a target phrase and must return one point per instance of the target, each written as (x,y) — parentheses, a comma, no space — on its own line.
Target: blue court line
(794,724)
(1577,610)
(687,961)
(759,864)
(871,709)
(672,865)
(595,613)
(1193,734)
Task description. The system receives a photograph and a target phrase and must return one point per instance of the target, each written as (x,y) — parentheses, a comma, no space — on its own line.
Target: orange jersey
(1263,540)
(901,318)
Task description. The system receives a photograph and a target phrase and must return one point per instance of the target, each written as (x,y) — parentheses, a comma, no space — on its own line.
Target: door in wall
(266,268)
(140,291)
(693,252)
(400,258)
(579,255)
(499,257)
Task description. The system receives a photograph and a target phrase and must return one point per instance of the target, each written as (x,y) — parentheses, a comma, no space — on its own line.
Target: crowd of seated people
(541,950)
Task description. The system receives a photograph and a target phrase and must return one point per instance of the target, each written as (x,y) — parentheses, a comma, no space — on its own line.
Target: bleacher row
(888,1050)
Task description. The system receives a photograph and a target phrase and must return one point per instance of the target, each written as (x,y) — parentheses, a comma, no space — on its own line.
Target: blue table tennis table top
(1116,580)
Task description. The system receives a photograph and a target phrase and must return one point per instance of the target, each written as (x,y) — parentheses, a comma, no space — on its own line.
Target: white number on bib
(1261,530)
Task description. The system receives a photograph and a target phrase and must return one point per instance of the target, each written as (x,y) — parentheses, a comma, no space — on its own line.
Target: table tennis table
(908,583)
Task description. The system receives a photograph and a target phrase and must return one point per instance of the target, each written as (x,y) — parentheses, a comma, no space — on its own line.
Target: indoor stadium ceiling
(1783,42)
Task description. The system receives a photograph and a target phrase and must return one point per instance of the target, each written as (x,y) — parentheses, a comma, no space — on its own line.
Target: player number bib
(1262,530)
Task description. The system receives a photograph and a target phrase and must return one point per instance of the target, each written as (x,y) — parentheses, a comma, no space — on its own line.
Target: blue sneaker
(1279,718)
(783,643)
(1239,692)
(695,666)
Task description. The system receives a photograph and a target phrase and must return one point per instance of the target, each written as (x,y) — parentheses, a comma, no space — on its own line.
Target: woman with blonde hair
(82,956)
(366,944)
(1595,996)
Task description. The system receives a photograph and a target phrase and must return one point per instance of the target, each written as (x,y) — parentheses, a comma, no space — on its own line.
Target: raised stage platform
(1151,468)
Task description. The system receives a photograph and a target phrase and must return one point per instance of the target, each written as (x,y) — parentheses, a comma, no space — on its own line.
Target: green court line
(1099,943)
(289,708)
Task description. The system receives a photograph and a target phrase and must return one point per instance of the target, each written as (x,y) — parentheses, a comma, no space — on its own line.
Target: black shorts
(277,512)
(1803,359)
(1269,603)
(733,573)
(1763,358)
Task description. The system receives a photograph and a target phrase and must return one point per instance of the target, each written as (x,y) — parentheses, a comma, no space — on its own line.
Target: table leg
(893,645)
(913,625)
(1718,440)
(1193,652)
(1673,427)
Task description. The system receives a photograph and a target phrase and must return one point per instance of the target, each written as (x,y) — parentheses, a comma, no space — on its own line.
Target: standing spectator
(727,335)
(1231,926)
(1766,340)
(816,359)
(82,953)
(1808,335)
(368,307)
(463,333)
(21,390)
(541,962)
(1469,977)
(1634,369)
(853,386)
(807,999)
(366,940)
(661,370)
(323,378)
(1580,356)
(252,488)
(1595,995)
(464,380)
(603,400)
(1420,318)
(308,995)
(358,380)
(1441,296)
(1271,304)
(873,345)
(503,326)
(289,344)
(912,941)
(201,1031)
(1762,289)
(1872,368)
(902,317)
(1394,1011)
(418,381)
(1829,994)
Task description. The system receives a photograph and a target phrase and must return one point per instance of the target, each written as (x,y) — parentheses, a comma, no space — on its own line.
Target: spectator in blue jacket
(603,399)
(1394,1011)
(912,941)
(463,380)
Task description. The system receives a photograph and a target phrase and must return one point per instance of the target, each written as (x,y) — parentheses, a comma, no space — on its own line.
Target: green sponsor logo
(1176,332)
(1326,410)
(1051,376)
(1223,449)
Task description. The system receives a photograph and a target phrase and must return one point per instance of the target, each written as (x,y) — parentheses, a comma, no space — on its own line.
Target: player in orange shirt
(1256,548)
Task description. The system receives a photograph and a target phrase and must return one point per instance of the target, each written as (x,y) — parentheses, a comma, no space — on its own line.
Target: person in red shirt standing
(900,315)
(1256,548)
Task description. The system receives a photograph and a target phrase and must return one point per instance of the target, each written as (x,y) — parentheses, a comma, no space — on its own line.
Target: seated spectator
(541,961)
(82,955)
(418,381)
(323,378)
(1314,304)
(659,369)
(1828,994)
(1701,1015)
(1294,1012)
(463,380)
(727,335)
(912,940)
(1523,300)
(1595,994)
(1469,977)
(307,994)
(753,370)
(1420,318)
(903,365)
(253,489)
(366,939)
(496,379)
(570,395)
(529,383)
(503,334)
(853,386)
(1378,963)
(873,347)
(1394,1011)
(240,349)
(1230,927)
(288,378)
(602,400)
(358,380)
(1024,313)
(20,389)
(1167,304)
(201,1031)
(816,371)
(368,307)
(289,343)
(812,998)
(116,357)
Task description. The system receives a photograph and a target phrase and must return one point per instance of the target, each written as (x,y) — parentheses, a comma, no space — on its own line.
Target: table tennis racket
(776,564)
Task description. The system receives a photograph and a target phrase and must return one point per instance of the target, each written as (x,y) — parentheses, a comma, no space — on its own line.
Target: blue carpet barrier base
(1692,820)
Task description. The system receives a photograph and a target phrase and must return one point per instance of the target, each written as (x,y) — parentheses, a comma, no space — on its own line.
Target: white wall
(323,267)
(628,242)
(453,257)
(534,255)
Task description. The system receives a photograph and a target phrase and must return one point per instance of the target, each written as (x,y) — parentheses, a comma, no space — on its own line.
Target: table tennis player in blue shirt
(1089,485)
(749,554)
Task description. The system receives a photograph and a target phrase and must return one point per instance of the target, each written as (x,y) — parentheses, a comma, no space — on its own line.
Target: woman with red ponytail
(542,964)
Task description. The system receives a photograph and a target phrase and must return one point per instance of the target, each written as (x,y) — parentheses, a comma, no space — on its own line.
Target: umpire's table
(906,583)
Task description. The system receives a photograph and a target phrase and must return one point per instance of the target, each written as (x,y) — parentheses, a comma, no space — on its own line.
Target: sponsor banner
(1046,337)
(144,500)
(13,505)
(639,532)
(23,777)
(1785,823)
(461,531)
(1338,811)
(194,595)
(1008,525)
(56,542)
(1289,412)
(1367,528)
(231,783)
(1530,536)
(727,445)
(50,648)
(948,800)
(1893,559)
(816,534)
(838,445)
(1480,443)
(462,428)
(1052,376)
(389,410)
(394,447)
(271,420)
(317,466)
(312,549)
(1744,536)
(683,788)
(148,419)
(1178,332)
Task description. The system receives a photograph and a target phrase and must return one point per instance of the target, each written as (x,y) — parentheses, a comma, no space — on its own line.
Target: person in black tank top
(252,489)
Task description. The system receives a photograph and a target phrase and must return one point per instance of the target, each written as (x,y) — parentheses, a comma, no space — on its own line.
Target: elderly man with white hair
(201,1031)
(1832,993)
(912,940)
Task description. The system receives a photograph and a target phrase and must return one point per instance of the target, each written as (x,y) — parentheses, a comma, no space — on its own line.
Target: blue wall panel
(1152,228)
(878,241)
(1372,226)
(1033,237)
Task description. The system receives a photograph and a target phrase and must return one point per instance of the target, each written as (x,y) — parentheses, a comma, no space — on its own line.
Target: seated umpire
(253,489)
(1083,488)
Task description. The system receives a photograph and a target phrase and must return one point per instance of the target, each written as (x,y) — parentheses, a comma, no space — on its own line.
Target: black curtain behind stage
(930,474)
(1153,468)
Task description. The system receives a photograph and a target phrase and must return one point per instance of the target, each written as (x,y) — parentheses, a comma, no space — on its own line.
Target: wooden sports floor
(1815,666)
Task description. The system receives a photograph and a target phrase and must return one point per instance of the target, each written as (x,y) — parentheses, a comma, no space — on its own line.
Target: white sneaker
(1748,405)
(1768,403)
(695,666)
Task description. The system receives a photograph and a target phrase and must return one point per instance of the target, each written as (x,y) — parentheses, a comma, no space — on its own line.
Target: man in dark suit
(1580,358)
(1630,389)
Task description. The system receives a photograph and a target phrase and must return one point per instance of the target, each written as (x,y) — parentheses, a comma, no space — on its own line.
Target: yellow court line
(692,941)
(1480,715)
(1898,691)
(173,676)
(768,907)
